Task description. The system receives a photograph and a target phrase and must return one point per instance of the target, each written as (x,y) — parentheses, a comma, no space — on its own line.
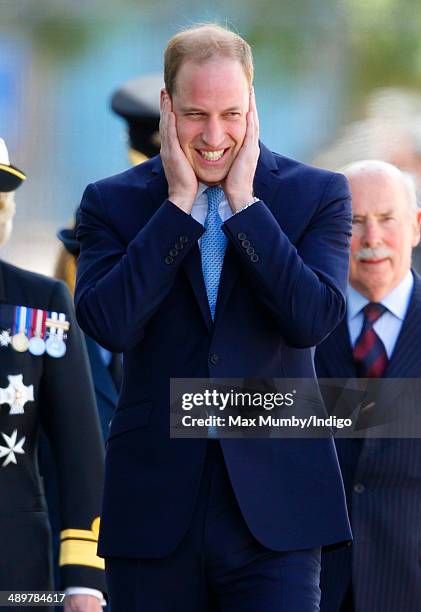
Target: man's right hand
(182,181)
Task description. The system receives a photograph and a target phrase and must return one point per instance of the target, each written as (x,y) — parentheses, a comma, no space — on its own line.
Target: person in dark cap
(10,176)
(137,102)
(10,179)
(42,354)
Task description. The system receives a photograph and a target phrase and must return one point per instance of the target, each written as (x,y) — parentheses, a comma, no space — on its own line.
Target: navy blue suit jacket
(106,393)
(383,484)
(133,297)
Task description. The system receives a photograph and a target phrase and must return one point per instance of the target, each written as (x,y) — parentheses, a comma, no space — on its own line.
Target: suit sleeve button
(250,251)
(183,239)
(241,236)
(214,359)
(359,488)
(245,243)
(254,258)
(168,260)
(179,246)
(173,252)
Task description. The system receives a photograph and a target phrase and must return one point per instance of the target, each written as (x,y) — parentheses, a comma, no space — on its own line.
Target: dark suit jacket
(106,392)
(64,407)
(383,484)
(106,395)
(133,296)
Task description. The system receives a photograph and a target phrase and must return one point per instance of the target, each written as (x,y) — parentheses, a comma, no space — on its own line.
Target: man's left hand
(82,603)
(238,184)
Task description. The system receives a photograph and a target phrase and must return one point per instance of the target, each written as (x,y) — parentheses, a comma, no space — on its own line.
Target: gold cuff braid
(78,547)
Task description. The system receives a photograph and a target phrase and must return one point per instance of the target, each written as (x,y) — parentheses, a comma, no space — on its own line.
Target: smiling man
(379,338)
(215,259)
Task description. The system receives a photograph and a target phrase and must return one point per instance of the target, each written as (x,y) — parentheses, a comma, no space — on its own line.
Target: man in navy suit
(382,476)
(215,259)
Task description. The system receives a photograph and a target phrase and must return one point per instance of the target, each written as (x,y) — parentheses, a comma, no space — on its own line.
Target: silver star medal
(16,394)
(12,449)
(5,338)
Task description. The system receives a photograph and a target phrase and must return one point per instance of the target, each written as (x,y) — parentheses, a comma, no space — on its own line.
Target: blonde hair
(203,42)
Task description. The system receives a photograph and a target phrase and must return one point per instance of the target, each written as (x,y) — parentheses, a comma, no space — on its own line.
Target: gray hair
(387,168)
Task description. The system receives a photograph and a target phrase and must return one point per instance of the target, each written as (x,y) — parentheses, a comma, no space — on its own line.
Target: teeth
(212,155)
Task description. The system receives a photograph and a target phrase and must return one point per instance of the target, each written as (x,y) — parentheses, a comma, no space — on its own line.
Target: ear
(416,229)
(162,94)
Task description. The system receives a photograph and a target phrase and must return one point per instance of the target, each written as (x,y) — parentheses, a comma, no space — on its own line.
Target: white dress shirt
(389,325)
(86,591)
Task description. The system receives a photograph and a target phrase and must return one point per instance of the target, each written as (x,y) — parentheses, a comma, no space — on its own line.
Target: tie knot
(215,197)
(373,311)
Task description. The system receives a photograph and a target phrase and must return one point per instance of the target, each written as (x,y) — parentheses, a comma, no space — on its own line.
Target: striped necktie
(369,353)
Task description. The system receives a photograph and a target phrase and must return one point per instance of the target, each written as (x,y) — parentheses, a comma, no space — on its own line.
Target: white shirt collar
(397,301)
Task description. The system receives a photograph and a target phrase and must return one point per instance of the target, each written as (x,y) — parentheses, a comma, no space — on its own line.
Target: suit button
(241,236)
(179,246)
(168,260)
(250,251)
(254,258)
(245,243)
(183,239)
(214,359)
(173,252)
(359,488)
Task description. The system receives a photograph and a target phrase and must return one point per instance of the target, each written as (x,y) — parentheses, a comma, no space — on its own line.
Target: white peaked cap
(4,155)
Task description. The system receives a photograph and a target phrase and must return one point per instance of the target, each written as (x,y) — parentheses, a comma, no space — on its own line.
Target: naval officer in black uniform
(45,382)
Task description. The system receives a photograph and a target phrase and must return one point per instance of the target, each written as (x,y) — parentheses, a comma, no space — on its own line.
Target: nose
(213,132)
(371,237)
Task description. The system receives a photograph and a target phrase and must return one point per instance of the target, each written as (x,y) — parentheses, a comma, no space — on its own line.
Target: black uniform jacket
(59,398)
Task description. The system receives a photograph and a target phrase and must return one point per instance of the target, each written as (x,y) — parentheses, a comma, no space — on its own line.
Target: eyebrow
(194,109)
(383,214)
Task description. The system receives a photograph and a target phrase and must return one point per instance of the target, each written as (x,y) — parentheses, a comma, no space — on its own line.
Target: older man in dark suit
(380,337)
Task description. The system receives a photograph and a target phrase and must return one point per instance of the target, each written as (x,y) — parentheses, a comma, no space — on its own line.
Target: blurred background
(335,81)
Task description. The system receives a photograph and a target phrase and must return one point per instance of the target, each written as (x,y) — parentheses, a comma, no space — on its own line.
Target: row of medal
(34,330)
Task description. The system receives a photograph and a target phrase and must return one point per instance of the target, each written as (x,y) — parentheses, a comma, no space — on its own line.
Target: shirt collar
(397,301)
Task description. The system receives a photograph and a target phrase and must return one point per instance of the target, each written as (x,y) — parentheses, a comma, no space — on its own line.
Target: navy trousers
(219,565)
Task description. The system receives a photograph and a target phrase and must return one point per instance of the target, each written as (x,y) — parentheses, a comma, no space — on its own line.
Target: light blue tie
(213,246)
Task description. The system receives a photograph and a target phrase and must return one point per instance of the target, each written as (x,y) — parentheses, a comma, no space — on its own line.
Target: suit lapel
(338,361)
(406,358)
(265,188)
(192,264)
(229,275)
(405,361)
